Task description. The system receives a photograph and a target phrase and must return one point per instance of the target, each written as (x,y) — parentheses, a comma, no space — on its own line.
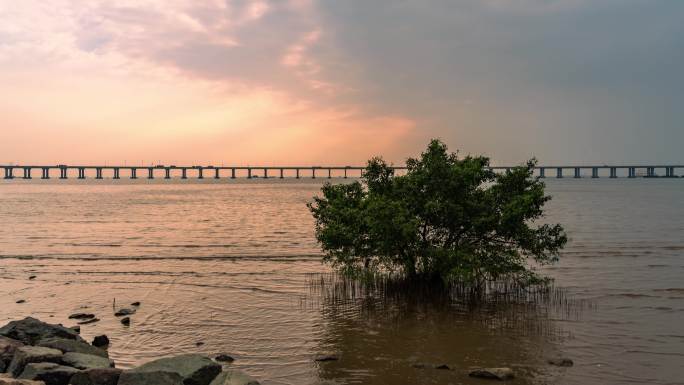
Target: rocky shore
(33,352)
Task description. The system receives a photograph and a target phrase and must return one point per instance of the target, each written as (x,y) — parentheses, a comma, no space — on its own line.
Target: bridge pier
(297,174)
(63,173)
(8,173)
(650,172)
(232,173)
(184,173)
(27,173)
(265,173)
(150,173)
(631,172)
(594,172)
(167,173)
(216,173)
(98,173)
(134,173)
(345,173)
(559,172)
(313,173)
(669,172)
(249,173)
(281,174)
(577,172)
(201,173)
(81,173)
(45,173)
(613,172)
(329,174)
(116,173)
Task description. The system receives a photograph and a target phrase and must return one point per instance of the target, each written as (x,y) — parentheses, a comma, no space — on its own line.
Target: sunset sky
(335,82)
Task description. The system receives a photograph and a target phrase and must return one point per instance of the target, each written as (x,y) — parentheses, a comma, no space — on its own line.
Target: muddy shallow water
(227,267)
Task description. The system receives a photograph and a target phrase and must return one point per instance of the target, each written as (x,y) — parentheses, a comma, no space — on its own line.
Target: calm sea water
(227,267)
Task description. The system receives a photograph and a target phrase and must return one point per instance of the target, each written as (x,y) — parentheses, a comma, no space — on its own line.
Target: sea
(232,266)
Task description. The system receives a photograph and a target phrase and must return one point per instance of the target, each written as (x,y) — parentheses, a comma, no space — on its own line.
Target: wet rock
(89,321)
(103,376)
(70,346)
(21,301)
(224,358)
(561,361)
(30,330)
(50,373)
(82,316)
(326,357)
(126,321)
(6,379)
(86,361)
(7,348)
(194,369)
(31,354)
(124,311)
(136,303)
(492,373)
(234,377)
(101,341)
(129,377)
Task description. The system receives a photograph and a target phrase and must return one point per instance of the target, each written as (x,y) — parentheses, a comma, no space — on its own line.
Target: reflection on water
(230,264)
(388,332)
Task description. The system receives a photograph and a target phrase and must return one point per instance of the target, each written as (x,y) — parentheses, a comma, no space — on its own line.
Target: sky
(330,82)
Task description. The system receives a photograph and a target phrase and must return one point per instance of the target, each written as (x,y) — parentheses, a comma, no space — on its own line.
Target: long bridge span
(63,171)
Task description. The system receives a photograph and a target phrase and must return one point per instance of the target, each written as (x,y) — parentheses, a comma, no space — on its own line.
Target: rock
(76,328)
(82,316)
(30,330)
(443,367)
(21,301)
(100,376)
(101,341)
(224,358)
(194,369)
(70,346)
(89,321)
(124,311)
(30,354)
(136,303)
(566,362)
(126,321)
(419,365)
(86,361)
(32,277)
(7,348)
(6,379)
(234,377)
(492,373)
(50,373)
(129,377)
(326,357)
(199,343)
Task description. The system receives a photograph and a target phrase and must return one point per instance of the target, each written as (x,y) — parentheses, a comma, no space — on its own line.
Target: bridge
(218,172)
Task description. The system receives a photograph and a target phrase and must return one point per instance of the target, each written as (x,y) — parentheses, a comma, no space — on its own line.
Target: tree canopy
(448,218)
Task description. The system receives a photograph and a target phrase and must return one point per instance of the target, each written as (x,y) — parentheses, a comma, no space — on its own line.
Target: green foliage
(448,218)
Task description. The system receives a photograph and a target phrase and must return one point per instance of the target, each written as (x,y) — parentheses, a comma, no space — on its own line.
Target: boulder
(50,373)
(30,354)
(82,316)
(224,358)
(129,377)
(565,362)
(101,341)
(100,376)
(326,357)
(71,346)
(89,321)
(136,303)
(124,311)
(76,328)
(6,379)
(234,377)
(30,330)
(7,348)
(21,301)
(86,361)
(194,369)
(126,321)
(492,373)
